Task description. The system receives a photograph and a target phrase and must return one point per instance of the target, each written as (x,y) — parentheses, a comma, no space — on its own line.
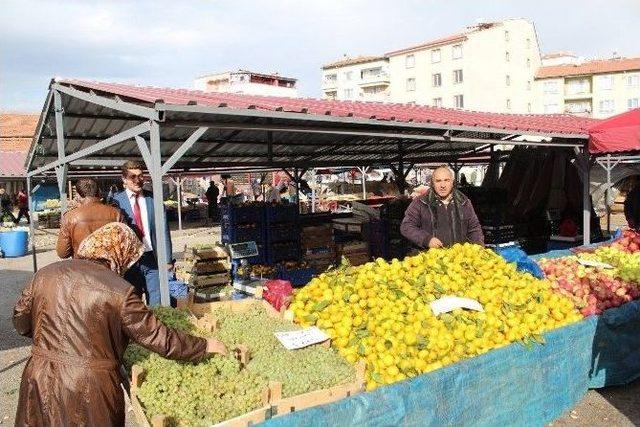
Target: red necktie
(137,217)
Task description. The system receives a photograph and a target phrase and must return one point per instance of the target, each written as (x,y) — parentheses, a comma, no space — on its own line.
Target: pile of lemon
(381,312)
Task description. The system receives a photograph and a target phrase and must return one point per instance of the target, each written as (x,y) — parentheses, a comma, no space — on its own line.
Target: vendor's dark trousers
(7,212)
(145,278)
(23,212)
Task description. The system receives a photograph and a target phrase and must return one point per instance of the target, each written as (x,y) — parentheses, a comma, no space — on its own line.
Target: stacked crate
(318,247)
(282,233)
(490,205)
(205,268)
(244,223)
(391,215)
(351,239)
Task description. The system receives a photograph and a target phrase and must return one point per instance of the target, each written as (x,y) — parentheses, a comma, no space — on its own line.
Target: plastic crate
(236,234)
(282,232)
(282,213)
(283,252)
(297,277)
(242,214)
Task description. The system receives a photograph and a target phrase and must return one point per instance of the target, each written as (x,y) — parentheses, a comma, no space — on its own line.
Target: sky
(169,43)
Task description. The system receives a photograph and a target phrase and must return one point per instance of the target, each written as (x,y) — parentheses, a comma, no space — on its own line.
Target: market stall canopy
(617,134)
(201,130)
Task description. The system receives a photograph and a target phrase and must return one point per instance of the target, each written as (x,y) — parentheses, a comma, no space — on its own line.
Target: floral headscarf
(114,243)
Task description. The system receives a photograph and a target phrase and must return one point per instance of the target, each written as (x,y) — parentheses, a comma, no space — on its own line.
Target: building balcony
(578,95)
(378,79)
(328,84)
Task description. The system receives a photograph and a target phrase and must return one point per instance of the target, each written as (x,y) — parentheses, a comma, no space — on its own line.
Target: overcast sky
(168,43)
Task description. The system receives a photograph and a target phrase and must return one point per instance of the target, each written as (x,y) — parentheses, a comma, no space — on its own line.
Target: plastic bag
(522,260)
(278,293)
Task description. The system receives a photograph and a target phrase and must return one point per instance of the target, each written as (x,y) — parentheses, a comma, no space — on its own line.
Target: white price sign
(449,303)
(294,340)
(591,263)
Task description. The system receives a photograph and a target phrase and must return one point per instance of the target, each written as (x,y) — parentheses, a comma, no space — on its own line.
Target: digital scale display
(243,250)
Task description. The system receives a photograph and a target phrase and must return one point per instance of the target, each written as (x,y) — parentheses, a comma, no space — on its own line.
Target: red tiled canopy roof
(551,124)
(16,131)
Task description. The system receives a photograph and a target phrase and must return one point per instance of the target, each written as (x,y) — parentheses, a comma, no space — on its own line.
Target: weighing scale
(242,276)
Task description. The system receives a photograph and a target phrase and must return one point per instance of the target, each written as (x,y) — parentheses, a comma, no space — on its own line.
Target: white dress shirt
(145,217)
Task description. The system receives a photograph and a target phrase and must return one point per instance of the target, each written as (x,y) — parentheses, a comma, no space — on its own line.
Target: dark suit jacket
(125,205)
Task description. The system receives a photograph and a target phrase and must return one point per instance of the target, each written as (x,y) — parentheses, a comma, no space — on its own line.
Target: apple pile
(592,290)
(628,242)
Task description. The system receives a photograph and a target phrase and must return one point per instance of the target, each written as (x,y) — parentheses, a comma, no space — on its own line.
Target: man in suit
(137,207)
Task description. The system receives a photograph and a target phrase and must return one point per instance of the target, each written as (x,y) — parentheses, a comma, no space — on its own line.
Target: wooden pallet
(250,418)
(282,406)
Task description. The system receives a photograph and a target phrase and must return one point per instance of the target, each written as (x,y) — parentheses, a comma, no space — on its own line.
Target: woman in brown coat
(81,315)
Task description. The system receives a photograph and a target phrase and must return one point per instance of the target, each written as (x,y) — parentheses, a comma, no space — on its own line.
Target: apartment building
(247,82)
(597,88)
(487,67)
(363,78)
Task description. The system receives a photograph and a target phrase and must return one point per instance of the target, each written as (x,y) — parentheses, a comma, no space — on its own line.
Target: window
(436,79)
(528,84)
(607,106)
(506,35)
(348,75)
(458,101)
(633,81)
(528,107)
(410,61)
(632,103)
(551,108)
(371,73)
(331,94)
(577,87)
(508,104)
(457,51)
(528,63)
(605,82)
(578,107)
(437,102)
(348,94)
(331,78)
(457,76)
(435,56)
(411,84)
(508,80)
(528,43)
(550,88)
(506,56)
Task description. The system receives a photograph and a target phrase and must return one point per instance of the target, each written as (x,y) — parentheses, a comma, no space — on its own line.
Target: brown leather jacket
(81,317)
(79,222)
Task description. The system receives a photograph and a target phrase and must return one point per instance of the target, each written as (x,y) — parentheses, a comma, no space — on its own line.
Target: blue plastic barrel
(14,243)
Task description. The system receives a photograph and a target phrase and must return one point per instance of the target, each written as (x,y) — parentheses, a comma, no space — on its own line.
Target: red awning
(619,133)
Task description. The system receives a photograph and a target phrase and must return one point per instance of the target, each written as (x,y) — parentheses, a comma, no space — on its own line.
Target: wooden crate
(236,306)
(202,281)
(214,252)
(282,406)
(251,418)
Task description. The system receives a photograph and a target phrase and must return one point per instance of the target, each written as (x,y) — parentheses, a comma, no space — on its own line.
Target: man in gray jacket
(441,217)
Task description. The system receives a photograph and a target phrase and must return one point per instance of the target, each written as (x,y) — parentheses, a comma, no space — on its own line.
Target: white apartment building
(248,82)
(597,88)
(363,78)
(485,67)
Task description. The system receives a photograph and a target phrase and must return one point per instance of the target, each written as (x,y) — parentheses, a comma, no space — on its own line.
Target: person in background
(463,181)
(112,192)
(89,215)
(212,201)
(81,315)
(5,206)
(442,217)
(23,206)
(632,207)
(137,208)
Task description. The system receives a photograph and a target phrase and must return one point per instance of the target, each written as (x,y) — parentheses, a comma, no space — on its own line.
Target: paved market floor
(615,406)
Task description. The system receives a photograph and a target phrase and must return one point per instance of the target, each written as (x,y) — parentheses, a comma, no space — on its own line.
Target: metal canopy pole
(179,190)
(61,171)
(608,193)
(313,190)
(586,201)
(155,170)
(363,171)
(32,231)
